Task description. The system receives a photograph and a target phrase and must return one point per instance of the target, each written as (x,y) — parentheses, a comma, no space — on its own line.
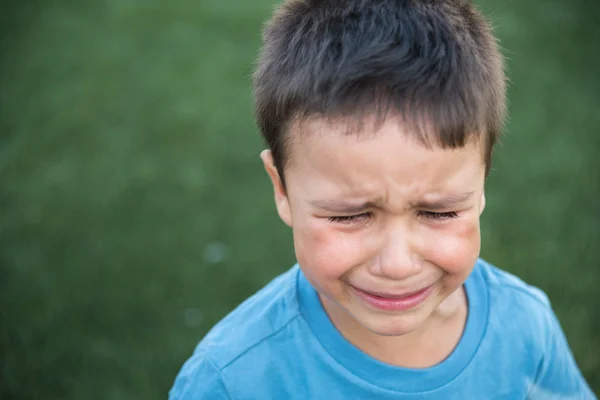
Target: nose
(398,259)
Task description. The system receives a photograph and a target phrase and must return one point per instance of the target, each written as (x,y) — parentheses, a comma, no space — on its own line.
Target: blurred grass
(135,213)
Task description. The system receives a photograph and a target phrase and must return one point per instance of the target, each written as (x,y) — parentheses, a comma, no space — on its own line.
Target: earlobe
(281,199)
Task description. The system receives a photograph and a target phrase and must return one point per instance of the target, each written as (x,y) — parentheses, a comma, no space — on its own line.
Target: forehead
(327,157)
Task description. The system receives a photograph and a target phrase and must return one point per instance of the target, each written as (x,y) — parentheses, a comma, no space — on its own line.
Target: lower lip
(395,303)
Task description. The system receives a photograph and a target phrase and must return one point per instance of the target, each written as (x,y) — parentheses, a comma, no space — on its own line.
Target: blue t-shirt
(280,344)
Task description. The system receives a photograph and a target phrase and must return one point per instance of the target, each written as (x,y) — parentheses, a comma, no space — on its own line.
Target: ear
(281,200)
(482,204)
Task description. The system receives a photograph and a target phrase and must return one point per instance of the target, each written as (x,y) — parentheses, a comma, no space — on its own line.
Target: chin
(394,325)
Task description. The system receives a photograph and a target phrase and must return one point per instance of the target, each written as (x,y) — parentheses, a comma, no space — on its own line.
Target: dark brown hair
(435,63)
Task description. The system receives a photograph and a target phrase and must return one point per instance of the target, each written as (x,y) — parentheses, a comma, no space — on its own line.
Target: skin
(381,213)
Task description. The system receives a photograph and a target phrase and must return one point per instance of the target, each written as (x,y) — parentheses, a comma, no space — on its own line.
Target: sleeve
(198,379)
(558,376)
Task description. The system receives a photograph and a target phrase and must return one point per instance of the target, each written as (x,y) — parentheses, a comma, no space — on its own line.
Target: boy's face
(384,228)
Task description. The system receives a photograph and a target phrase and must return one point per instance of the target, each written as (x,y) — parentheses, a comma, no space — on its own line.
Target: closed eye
(349,219)
(438,216)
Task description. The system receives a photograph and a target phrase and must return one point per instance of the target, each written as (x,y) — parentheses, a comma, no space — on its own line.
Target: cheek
(455,248)
(325,252)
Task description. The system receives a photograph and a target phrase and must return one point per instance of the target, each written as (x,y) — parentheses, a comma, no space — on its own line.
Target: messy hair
(433,63)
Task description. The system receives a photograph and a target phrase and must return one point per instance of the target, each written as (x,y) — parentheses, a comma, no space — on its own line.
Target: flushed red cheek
(325,251)
(457,250)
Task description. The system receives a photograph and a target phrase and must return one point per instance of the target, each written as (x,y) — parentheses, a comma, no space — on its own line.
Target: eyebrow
(348,207)
(344,207)
(444,202)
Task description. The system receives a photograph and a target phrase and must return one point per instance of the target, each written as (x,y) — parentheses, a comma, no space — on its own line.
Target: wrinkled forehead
(324,157)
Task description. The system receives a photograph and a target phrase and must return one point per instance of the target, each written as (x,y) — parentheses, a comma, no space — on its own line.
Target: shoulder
(501,282)
(256,319)
(198,379)
(518,311)
(524,328)
(253,324)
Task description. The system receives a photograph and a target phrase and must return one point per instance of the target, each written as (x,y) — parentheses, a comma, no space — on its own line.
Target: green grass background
(134,212)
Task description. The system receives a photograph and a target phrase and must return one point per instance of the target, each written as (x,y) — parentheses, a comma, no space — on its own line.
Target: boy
(381,117)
